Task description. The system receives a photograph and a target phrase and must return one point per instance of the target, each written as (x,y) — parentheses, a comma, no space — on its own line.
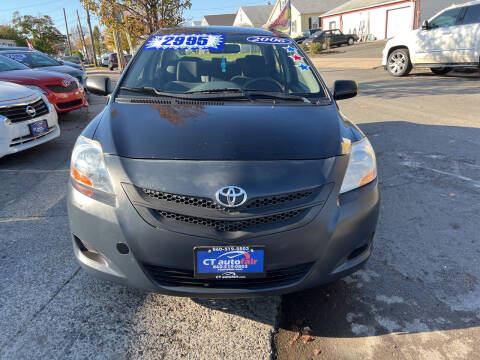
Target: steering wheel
(259,84)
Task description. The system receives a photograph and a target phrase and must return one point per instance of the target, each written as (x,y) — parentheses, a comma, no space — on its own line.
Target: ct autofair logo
(231,258)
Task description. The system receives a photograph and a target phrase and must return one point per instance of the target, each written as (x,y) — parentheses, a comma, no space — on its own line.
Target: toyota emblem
(66,83)
(30,110)
(231,196)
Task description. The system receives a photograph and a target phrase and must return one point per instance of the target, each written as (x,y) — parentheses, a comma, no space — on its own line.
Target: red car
(61,90)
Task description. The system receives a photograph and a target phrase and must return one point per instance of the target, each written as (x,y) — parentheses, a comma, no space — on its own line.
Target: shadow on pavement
(454,83)
(421,289)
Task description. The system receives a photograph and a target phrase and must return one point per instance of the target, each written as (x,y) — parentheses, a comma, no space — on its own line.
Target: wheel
(441,71)
(350,41)
(110,67)
(399,63)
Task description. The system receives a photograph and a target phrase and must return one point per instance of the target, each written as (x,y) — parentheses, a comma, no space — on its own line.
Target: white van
(449,39)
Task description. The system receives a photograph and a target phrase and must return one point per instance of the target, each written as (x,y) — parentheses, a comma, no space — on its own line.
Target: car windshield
(71,58)
(192,62)
(7,64)
(32,59)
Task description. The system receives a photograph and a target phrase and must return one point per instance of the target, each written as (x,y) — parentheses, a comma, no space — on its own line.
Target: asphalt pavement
(418,297)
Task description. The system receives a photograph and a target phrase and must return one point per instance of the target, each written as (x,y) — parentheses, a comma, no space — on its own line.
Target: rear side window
(472,15)
(447,18)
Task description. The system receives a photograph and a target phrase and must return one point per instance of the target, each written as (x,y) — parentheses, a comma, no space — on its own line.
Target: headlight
(89,173)
(36,88)
(362,166)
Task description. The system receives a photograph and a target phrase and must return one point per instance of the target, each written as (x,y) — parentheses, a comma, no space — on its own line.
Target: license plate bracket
(229,262)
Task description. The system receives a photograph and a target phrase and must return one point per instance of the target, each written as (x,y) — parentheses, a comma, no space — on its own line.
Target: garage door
(399,20)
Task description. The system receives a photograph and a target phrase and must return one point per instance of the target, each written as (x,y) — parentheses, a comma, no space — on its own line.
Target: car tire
(441,71)
(398,63)
(351,41)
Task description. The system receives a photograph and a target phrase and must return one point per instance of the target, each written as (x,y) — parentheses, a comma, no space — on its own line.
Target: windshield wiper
(196,95)
(276,95)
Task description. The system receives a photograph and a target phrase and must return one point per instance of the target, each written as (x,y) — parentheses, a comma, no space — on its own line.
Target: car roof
(222,30)
(16,48)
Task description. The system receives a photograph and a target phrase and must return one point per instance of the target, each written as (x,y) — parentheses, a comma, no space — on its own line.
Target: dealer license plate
(39,127)
(229,262)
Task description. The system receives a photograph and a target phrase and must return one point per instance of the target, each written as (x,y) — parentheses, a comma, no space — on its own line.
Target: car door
(469,33)
(337,37)
(437,44)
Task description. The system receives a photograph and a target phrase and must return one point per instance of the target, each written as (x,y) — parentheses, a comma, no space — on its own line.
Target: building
(372,19)
(219,20)
(253,16)
(306,14)
(7,42)
(382,19)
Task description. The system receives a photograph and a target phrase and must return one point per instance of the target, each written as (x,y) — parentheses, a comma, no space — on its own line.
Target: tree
(40,31)
(149,14)
(9,32)
(98,40)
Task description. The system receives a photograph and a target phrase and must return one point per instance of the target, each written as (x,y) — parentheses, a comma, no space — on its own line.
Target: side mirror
(99,85)
(425,25)
(344,89)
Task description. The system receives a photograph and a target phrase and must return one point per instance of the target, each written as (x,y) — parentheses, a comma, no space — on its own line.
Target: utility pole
(118,39)
(80,30)
(68,35)
(91,38)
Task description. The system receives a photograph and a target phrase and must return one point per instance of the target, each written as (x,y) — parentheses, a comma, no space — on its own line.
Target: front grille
(180,277)
(254,203)
(18,113)
(69,104)
(229,225)
(63,89)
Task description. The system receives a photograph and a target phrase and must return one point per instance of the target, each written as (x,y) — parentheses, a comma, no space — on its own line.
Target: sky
(54,9)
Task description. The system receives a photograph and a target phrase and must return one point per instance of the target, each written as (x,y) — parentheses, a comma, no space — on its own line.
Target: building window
(332,25)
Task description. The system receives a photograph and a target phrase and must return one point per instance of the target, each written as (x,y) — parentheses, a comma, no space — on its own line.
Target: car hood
(31,76)
(65,69)
(10,91)
(223,132)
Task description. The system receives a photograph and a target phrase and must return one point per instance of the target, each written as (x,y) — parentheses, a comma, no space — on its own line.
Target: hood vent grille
(165,101)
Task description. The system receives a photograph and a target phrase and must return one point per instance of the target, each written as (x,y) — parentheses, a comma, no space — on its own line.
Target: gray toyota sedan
(222,167)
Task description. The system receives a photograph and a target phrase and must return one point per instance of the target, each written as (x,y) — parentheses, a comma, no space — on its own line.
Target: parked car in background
(113,60)
(305,36)
(27,119)
(61,90)
(448,40)
(38,60)
(104,59)
(335,37)
(73,61)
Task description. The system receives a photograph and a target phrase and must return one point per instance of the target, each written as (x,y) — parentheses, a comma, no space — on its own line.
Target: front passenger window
(447,18)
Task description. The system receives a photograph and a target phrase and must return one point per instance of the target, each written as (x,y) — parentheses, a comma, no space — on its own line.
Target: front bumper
(66,102)
(15,137)
(334,242)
